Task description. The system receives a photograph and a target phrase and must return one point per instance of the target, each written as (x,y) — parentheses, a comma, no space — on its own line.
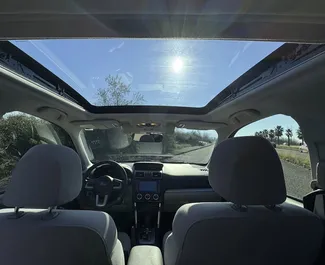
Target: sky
(166,71)
(270,123)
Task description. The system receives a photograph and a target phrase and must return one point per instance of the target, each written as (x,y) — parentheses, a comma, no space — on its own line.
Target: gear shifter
(147,236)
(145,225)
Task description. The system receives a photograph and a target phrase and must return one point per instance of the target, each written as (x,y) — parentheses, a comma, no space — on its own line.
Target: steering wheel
(108,190)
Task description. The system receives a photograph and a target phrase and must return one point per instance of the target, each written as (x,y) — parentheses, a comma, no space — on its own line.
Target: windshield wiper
(134,158)
(182,162)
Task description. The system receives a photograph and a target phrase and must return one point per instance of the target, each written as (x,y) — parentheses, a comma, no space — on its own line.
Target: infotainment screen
(148,186)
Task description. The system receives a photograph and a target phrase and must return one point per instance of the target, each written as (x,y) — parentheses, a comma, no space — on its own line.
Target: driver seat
(45,177)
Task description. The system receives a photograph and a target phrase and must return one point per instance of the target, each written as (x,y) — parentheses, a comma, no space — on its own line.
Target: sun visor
(244,116)
(97,124)
(200,125)
(52,113)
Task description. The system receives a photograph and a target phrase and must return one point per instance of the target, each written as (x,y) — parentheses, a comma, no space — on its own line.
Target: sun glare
(177,65)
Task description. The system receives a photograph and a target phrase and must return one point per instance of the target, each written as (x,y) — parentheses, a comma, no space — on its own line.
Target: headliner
(287,21)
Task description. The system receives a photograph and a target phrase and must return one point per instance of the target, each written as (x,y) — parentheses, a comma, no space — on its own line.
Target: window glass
(173,72)
(285,135)
(18,133)
(180,146)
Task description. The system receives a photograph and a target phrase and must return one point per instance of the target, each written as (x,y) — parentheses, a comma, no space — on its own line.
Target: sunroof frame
(280,60)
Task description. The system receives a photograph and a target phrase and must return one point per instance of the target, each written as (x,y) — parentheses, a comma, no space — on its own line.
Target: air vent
(148,166)
(139,174)
(156,175)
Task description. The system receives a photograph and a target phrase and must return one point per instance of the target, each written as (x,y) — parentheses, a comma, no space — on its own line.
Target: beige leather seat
(255,226)
(47,176)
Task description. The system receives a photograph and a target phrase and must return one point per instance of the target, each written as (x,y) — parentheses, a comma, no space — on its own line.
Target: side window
(18,133)
(285,135)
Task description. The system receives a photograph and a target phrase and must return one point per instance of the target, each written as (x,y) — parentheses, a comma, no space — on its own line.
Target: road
(199,156)
(297,178)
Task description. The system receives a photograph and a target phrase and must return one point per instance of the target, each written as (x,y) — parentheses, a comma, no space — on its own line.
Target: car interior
(179,176)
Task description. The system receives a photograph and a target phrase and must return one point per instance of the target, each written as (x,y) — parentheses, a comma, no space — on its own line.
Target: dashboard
(151,183)
(147,182)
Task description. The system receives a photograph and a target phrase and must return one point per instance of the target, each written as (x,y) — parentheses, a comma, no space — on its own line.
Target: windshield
(181,146)
(160,72)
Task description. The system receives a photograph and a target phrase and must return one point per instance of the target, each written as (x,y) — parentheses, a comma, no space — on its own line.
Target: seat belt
(315,202)
(310,199)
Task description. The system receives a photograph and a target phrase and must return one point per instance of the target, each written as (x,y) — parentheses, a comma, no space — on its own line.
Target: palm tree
(271,135)
(278,131)
(289,135)
(265,133)
(300,135)
(260,134)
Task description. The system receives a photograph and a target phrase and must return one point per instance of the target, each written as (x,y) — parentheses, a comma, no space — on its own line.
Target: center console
(146,180)
(147,198)
(145,255)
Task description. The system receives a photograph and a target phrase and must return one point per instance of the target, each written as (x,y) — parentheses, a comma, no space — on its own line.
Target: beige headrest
(46,176)
(247,171)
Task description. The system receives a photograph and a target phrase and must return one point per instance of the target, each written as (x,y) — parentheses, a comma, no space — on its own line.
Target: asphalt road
(296,177)
(199,156)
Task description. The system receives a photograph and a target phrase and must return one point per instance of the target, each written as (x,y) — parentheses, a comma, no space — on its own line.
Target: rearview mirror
(148,137)
(108,139)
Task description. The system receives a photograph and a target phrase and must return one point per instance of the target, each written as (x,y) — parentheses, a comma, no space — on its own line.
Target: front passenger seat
(45,177)
(255,227)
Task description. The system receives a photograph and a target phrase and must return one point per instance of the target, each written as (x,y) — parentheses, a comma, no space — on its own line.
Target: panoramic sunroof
(110,72)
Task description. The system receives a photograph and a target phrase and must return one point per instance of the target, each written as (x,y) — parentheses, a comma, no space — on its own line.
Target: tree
(17,135)
(117,93)
(271,135)
(278,131)
(289,135)
(265,133)
(260,134)
(300,135)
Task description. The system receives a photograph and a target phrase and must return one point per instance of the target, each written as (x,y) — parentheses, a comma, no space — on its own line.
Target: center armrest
(145,255)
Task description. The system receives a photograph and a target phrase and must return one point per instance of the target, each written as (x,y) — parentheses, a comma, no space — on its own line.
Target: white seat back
(255,226)
(47,176)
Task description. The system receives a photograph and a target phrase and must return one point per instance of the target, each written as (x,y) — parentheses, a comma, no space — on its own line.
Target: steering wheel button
(147,197)
(108,183)
(89,186)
